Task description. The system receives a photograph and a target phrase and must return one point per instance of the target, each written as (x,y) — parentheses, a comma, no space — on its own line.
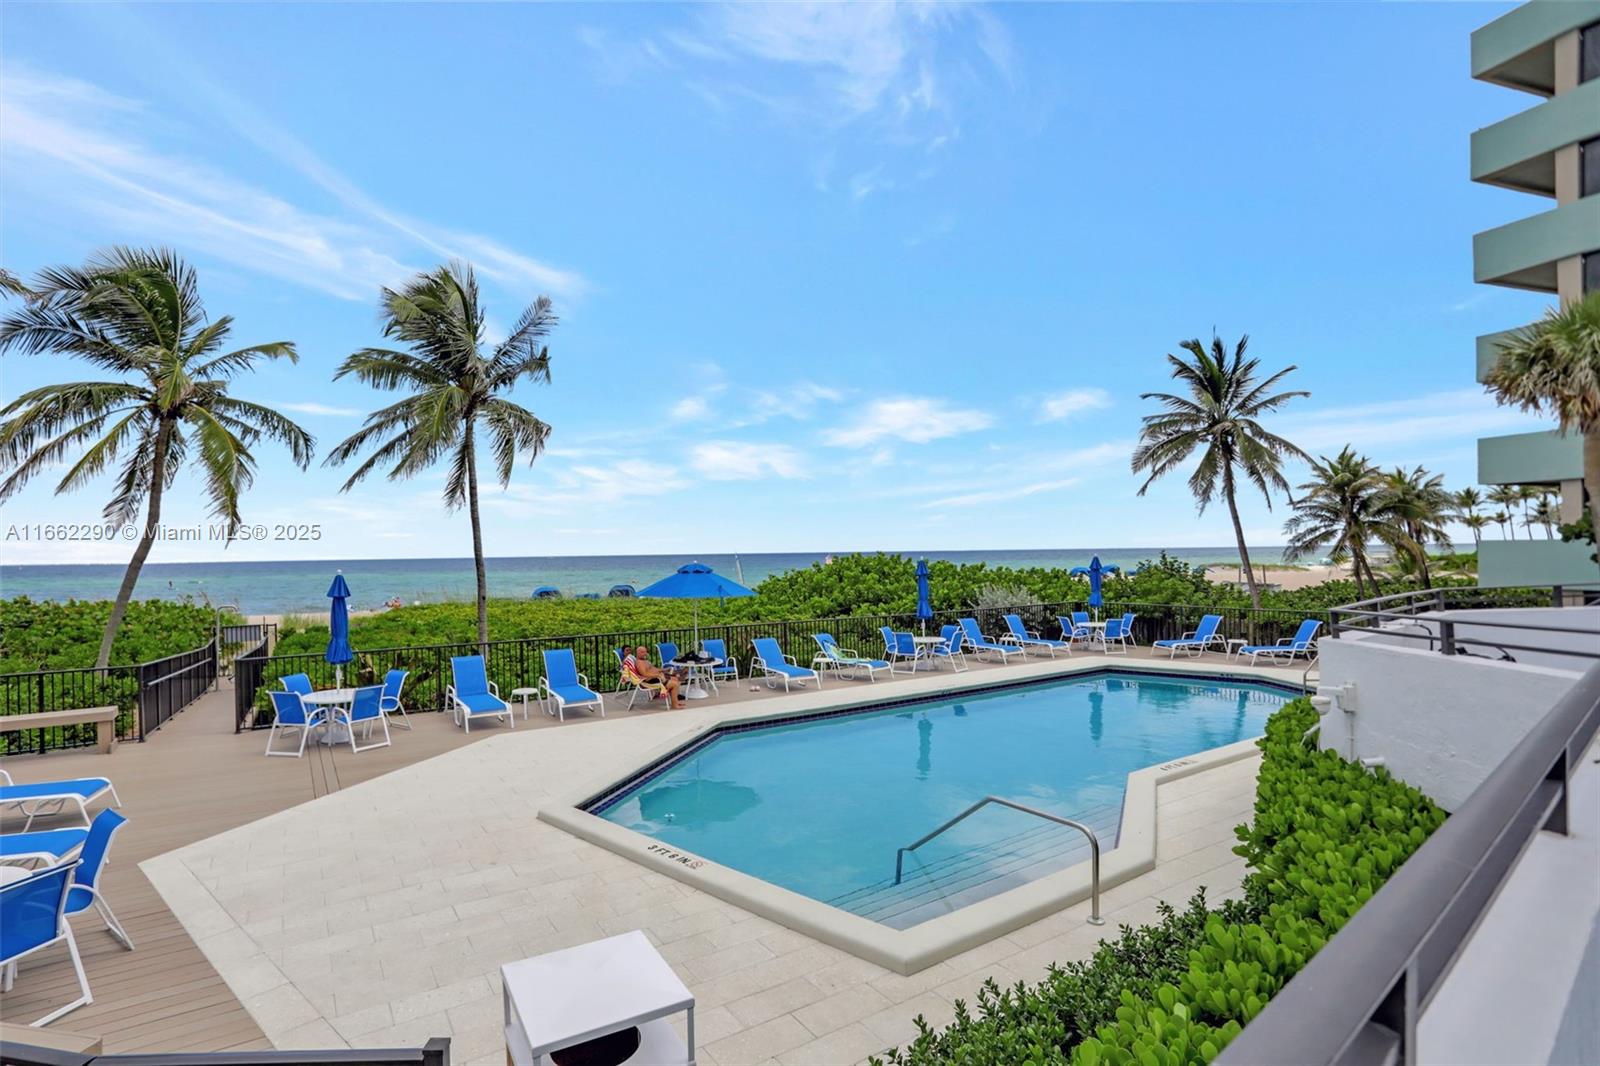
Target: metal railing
(1094,845)
(145,694)
(1358,1000)
(1422,615)
(519,663)
(435,1052)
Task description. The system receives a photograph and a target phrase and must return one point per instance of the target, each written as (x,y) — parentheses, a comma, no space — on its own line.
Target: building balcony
(1516,563)
(1523,254)
(1530,459)
(1517,49)
(1489,351)
(1520,152)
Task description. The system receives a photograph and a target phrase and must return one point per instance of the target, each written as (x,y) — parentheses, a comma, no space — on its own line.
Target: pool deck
(369,900)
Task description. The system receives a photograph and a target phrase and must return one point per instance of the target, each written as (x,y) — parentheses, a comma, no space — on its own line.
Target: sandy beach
(1286,579)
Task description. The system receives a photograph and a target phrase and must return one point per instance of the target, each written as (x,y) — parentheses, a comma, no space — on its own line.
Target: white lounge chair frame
(33,806)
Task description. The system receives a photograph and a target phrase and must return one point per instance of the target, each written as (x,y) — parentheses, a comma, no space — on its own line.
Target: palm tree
(1501,518)
(1219,413)
(1546,514)
(1506,497)
(1340,506)
(137,313)
(1477,523)
(1553,366)
(1526,494)
(11,285)
(1465,503)
(454,388)
(1419,507)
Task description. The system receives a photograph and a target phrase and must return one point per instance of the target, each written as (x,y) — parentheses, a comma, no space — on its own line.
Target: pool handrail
(1094,845)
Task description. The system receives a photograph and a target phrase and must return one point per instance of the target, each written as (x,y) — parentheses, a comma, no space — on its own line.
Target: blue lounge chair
(393,682)
(365,710)
(982,645)
(33,916)
(774,664)
(668,650)
(1127,629)
(46,845)
(472,695)
(1116,632)
(296,683)
(718,649)
(899,648)
(844,661)
(86,876)
(950,651)
(562,686)
(291,712)
(1192,643)
(1025,638)
(52,797)
(1302,643)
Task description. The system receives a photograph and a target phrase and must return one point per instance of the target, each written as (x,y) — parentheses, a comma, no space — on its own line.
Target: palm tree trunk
(1591,477)
(477,535)
(1238,536)
(152,519)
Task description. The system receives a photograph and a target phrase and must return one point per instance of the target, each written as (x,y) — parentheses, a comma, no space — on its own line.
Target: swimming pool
(821,806)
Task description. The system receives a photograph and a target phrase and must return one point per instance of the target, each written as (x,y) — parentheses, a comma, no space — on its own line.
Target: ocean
(286,587)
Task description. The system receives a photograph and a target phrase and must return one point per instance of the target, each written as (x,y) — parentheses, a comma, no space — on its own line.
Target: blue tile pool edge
(610,796)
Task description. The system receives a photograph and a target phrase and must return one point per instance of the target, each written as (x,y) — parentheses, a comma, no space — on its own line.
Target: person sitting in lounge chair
(640,665)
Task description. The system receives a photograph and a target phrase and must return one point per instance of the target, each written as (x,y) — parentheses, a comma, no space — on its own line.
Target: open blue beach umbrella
(695,581)
(338,652)
(924,599)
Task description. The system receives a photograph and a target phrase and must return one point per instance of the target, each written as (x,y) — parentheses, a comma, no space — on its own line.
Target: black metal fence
(145,695)
(519,663)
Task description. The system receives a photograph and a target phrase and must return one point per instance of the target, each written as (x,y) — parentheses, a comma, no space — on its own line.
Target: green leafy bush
(1326,834)
(45,635)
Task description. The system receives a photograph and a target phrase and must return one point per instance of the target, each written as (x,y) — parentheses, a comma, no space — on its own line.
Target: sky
(829,277)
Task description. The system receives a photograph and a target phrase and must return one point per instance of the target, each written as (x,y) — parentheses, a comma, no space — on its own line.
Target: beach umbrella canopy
(338,652)
(924,598)
(695,581)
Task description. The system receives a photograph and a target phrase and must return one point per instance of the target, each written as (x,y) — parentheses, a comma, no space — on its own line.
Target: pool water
(821,807)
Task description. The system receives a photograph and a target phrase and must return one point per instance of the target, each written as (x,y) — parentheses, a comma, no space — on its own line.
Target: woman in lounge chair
(640,665)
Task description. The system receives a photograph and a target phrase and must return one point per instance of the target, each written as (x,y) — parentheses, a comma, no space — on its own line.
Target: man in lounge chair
(640,665)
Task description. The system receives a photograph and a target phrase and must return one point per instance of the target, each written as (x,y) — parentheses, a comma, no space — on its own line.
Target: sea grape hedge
(849,585)
(1326,833)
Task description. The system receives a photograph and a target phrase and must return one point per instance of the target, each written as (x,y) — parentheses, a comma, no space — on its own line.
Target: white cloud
(691,408)
(1460,413)
(1063,405)
(311,407)
(67,141)
(726,460)
(973,499)
(915,419)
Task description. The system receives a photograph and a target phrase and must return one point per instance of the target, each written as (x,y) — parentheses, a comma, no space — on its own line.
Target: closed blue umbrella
(924,598)
(1095,573)
(695,581)
(338,652)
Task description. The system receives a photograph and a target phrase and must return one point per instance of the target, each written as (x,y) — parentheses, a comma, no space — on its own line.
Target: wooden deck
(190,780)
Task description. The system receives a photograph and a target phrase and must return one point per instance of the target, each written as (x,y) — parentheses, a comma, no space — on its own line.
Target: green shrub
(1326,834)
(46,635)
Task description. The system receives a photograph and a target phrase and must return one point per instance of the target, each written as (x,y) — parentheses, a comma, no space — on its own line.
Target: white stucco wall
(1441,723)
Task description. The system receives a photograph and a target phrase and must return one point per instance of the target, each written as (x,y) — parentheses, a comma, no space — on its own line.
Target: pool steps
(973,873)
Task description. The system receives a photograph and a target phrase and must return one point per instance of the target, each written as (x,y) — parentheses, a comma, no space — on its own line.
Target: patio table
(925,646)
(569,997)
(329,698)
(695,673)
